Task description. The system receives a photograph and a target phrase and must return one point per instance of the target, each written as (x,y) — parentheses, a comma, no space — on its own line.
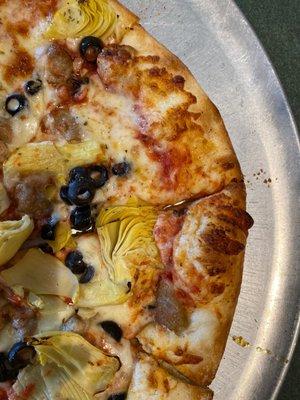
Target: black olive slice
(6,371)
(81,218)
(90,47)
(113,329)
(48,230)
(98,175)
(88,274)
(74,261)
(20,355)
(121,169)
(33,87)
(78,173)
(15,103)
(81,192)
(118,396)
(46,248)
(64,195)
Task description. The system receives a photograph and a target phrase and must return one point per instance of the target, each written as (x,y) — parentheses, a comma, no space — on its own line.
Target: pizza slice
(122,211)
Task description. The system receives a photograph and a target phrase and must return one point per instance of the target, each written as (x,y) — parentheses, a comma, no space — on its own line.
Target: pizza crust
(151,381)
(208,256)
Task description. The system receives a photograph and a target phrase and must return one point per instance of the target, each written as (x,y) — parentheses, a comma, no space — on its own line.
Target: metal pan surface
(213,38)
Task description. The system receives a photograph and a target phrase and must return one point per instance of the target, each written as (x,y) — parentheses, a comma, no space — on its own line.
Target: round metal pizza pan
(215,41)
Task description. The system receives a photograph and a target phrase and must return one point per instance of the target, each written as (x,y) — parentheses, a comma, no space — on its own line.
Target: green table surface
(277,24)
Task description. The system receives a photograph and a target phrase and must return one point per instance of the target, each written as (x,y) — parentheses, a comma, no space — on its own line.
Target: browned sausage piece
(31,197)
(61,123)
(6,132)
(169,312)
(59,65)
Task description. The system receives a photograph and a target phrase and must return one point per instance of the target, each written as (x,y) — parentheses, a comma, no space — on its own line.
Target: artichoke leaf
(12,235)
(101,290)
(4,200)
(80,361)
(75,19)
(42,273)
(51,158)
(59,385)
(30,380)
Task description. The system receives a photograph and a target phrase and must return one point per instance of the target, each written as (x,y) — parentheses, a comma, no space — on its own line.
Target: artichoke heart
(63,237)
(76,19)
(42,273)
(47,157)
(127,241)
(12,235)
(66,367)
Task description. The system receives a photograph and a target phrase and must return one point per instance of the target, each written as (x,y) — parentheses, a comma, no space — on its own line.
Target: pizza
(123,220)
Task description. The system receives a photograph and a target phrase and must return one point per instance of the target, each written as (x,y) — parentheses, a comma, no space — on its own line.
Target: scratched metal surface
(215,41)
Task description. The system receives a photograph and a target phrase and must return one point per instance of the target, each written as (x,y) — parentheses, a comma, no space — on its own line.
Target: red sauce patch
(170,160)
(21,65)
(3,394)
(168,225)
(27,392)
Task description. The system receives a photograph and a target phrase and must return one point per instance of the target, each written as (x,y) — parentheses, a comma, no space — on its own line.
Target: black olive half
(121,169)
(98,175)
(33,87)
(81,218)
(112,329)
(118,396)
(64,195)
(48,230)
(6,371)
(15,103)
(78,173)
(81,192)
(74,261)
(20,355)
(90,47)
(88,274)
(46,248)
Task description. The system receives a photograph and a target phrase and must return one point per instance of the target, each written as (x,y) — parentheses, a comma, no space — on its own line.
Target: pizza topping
(90,47)
(42,273)
(33,87)
(81,192)
(15,103)
(46,248)
(63,193)
(87,275)
(44,160)
(66,366)
(12,235)
(6,131)
(20,355)
(74,261)
(81,219)
(59,65)
(99,175)
(168,311)
(61,123)
(76,19)
(121,169)
(6,371)
(48,230)
(112,329)
(31,195)
(118,396)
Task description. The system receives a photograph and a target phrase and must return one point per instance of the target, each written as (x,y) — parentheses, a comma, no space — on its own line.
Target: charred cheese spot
(220,242)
